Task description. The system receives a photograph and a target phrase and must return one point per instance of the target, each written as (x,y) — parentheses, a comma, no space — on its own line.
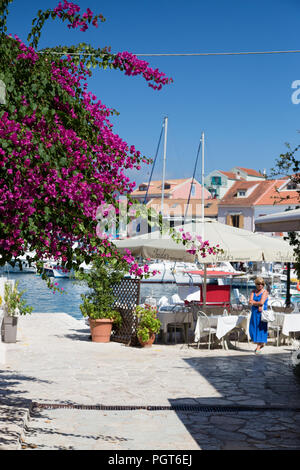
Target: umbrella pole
(202,223)
(204,286)
(288,285)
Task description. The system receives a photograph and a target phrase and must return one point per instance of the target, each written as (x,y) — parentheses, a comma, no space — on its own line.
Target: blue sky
(242,103)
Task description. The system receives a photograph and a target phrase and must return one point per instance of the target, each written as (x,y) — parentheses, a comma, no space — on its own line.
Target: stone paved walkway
(54,363)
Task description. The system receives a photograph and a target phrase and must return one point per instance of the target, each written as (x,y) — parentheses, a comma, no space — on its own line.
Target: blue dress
(258,329)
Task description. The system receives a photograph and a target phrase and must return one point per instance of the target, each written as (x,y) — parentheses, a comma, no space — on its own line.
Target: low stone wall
(2,345)
(3,280)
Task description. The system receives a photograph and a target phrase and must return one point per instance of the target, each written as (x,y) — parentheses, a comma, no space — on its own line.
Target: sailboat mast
(202,183)
(164,165)
(202,223)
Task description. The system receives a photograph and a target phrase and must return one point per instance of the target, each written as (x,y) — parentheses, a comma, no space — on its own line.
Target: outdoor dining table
(180,317)
(224,324)
(289,322)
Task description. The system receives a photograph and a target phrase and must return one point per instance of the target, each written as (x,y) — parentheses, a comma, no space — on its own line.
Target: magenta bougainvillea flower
(60,159)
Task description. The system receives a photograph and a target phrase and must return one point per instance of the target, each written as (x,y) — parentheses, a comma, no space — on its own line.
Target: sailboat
(168,271)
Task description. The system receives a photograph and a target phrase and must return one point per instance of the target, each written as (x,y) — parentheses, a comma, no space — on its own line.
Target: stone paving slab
(54,362)
(113,430)
(148,430)
(12,425)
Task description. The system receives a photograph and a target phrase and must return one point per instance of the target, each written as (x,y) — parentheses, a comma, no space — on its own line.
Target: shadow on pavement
(259,382)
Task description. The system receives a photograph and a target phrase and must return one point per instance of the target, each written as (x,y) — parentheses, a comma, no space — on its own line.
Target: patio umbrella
(156,247)
(288,221)
(237,244)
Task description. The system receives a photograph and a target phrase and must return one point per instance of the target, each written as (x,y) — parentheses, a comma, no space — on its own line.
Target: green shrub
(99,301)
(148,322)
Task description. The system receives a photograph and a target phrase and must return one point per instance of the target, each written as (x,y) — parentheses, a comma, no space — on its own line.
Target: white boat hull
(171,272)
(8,268)
(53,270)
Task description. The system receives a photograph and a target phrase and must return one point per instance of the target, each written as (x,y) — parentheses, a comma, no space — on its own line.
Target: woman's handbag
(267,315)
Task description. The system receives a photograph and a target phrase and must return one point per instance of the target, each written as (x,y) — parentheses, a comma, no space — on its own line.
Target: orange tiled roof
(250,172)
(156,186)
(263,193)
(229,174)
(258,189)
(272,196)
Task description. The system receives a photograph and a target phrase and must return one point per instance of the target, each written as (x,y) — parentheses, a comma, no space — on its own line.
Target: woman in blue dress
(258,329)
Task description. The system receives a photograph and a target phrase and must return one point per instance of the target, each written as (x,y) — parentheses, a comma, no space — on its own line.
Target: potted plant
(14,306)
(98,302)
(148,324)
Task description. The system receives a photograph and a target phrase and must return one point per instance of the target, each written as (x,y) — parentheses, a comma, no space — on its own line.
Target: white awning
(237,244)
(288,221)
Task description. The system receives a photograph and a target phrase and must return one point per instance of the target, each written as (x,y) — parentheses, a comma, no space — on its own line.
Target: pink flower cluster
(28,52)
(134,268)
(134,66)
(196,244)
(72,13)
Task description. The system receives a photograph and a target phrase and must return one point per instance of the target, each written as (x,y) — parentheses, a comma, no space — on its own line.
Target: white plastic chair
(204,327)
(163,301)
(275,326)
(297,307)
(240,299)
(245,331)
(278,303)
(175,299)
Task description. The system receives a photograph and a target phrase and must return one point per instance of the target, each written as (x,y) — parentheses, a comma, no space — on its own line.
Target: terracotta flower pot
(147,344)
(101,329)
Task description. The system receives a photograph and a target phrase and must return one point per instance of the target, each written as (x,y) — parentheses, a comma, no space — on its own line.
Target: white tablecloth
(174,317)
(289,322)
(223,324)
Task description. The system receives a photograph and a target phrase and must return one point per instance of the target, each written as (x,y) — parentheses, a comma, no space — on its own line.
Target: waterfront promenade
(198,396)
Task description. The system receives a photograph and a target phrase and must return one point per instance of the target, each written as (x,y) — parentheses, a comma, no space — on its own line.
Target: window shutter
(228,219)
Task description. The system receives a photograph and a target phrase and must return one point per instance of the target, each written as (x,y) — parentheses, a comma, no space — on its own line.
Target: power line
(192,54)
(220,53)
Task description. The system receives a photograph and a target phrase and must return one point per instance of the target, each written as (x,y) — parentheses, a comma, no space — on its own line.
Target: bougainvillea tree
(59,157)
(289,164)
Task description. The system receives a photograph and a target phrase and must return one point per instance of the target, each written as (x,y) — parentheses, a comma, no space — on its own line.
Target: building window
(214,192)
(216,180)
(241,193)
(193,189)
(291,185)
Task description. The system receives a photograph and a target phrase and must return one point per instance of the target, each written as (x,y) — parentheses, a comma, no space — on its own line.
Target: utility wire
(192,54)
(220,53)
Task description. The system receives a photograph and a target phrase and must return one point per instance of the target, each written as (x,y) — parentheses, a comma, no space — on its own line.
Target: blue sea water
(42,299)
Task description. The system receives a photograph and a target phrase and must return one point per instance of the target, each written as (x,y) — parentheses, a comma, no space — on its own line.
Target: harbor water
(42,299)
